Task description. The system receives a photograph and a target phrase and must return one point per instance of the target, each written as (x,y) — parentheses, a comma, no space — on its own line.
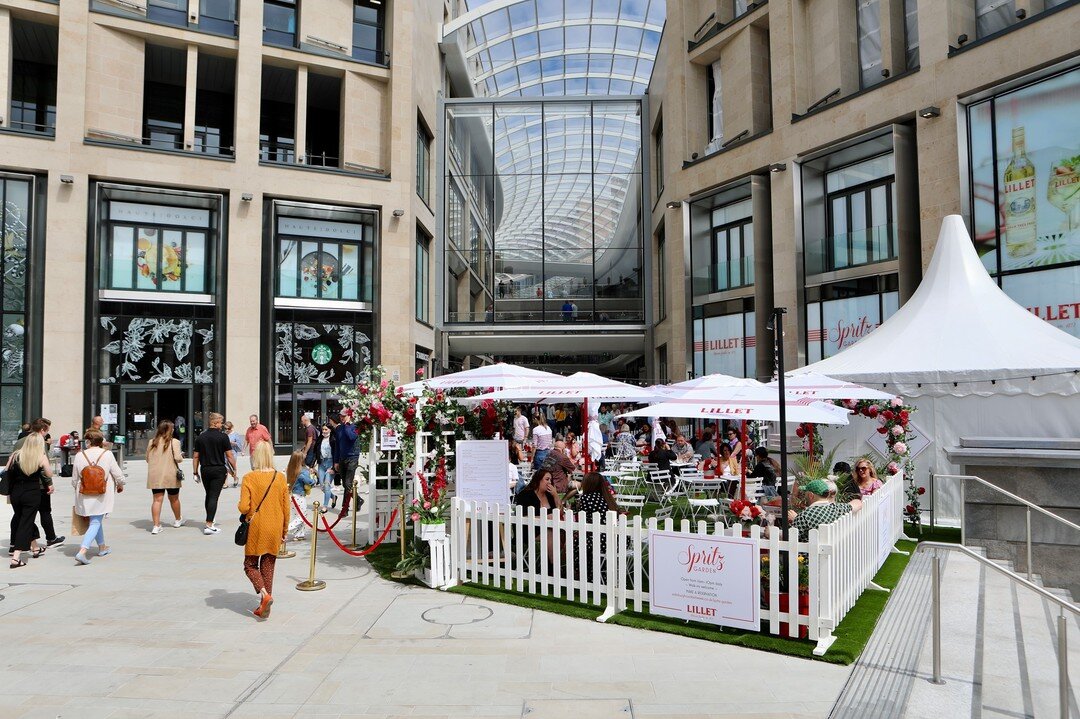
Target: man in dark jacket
(347,456)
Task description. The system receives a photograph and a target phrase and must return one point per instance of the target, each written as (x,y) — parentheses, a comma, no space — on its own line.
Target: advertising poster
(725,344)
(1025,170)
(835,325)
(109,414)
(483,468)
(705,578)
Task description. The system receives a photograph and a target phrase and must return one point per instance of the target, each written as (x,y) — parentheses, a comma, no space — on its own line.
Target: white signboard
(388,440)
(140,419)
(705,578)
(916,442)
(884,520)
(109,413)
(483,466)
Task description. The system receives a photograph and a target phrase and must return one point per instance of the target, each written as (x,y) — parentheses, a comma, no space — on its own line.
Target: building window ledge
(306,303)
(331,170)
(191,298)
(954,51)
(727,148)
(131,144)
(718,28)
(307,48)
(888,81)
(121,11)
(49,134)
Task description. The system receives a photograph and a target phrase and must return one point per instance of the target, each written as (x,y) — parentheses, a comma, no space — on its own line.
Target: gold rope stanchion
(312,584)
(284,552)
(401,513)
(355,499)
(399,573)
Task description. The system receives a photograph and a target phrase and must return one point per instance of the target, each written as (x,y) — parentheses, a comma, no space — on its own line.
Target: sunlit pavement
(162,627)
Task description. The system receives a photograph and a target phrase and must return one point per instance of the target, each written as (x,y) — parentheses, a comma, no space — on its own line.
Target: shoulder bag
(179,472)
(245,522)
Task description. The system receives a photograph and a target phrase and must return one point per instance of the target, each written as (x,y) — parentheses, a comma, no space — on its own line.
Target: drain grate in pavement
(578,708)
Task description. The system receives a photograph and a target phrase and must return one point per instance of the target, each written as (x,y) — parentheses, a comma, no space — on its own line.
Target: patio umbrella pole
(585,433)
(778,352)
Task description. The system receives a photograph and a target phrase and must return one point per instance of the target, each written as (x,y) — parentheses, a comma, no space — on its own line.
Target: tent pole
(742,463)
(778,350)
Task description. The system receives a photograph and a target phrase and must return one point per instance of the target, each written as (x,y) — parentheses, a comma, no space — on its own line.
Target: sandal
(16,564)
(38,552)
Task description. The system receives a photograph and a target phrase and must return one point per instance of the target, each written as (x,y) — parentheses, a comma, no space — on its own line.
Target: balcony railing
(851,249)
(723,276)
(32,127)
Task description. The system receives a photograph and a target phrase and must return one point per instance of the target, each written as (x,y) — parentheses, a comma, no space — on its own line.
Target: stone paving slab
(162,628)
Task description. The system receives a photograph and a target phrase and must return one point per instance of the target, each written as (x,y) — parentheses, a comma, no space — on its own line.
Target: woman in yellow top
(264,499)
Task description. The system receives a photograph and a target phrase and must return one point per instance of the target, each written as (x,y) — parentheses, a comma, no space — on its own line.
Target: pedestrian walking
(348,447)
(311,436)
(211,463)
(163,457)
(300,483)
(255,434)
(237,443)
(325,453)
(40,427)
(30,475)
(264,500)
(95,506)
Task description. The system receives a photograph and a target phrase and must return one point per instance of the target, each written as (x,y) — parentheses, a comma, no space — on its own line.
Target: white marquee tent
(973,361)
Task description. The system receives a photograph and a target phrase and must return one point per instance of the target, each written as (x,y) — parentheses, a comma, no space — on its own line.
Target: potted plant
(428,509)
(782,603)
(745,512)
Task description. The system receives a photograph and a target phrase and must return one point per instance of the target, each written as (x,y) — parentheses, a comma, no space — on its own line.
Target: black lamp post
(776,324)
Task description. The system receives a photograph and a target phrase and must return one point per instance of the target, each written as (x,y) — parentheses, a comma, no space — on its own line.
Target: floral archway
(893,418)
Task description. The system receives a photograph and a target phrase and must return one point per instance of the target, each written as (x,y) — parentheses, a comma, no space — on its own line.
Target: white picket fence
(497,546)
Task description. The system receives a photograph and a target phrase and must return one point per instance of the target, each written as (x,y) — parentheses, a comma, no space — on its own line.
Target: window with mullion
(279,22)
(368,31)
(313,268)
(423,268)
(860,225)
(732,246)
(423,163)
(156,258)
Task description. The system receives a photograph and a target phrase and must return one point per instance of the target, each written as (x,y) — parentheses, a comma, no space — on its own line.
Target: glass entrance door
(318,402)
(138,419)
(141,410)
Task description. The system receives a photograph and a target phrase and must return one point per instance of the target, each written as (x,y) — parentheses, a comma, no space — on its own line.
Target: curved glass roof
(559,47)
(567,173)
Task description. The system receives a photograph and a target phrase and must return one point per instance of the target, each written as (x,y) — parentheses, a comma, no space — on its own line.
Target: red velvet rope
(369,550)
(344,504)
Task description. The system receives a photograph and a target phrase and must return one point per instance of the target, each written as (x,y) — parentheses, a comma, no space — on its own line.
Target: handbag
(245,522)
(79,523)
(179,472)
(5,484)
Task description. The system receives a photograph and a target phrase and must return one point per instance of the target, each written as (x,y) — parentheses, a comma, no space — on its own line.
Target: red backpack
(92,478)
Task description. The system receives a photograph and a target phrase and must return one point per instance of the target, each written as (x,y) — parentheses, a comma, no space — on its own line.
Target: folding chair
(701,494)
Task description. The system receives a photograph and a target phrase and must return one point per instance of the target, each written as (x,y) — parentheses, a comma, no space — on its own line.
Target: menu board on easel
(483,466)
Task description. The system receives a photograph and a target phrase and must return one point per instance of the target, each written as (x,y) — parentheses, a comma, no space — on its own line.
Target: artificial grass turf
(851,635)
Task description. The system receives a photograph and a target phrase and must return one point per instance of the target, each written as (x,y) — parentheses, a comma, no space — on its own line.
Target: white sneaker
(156,529)
(179,523)
(210,530)
(299,537)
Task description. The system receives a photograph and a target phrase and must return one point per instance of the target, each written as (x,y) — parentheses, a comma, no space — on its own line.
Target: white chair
(701,494)
(630,501)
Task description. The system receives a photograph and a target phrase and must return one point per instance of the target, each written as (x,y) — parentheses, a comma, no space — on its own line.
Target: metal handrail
(1029,505)
(935,592)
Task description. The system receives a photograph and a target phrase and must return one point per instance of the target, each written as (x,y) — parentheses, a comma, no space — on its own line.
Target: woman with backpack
(95,495)
(29,474)
(163,457)
(264,500)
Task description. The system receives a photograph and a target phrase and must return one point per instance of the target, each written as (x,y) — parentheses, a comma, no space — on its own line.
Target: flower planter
(431,532)
(804,610)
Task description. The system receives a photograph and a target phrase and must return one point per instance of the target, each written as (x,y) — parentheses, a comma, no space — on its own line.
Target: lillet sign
(707,578)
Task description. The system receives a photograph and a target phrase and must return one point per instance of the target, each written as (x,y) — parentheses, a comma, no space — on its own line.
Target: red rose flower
(922,490)
(800,432)
(910,509)
(872,411)
(883,430)
(460,420)
(888,414)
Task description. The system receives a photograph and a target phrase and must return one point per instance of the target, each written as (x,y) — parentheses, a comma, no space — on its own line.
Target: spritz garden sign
(705,578)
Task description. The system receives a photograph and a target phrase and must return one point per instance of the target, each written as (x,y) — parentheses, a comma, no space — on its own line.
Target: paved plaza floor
(162,628)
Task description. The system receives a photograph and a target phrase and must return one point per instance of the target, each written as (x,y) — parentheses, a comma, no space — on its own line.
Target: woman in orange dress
(264,499)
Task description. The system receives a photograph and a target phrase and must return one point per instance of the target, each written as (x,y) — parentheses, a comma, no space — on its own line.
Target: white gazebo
(974,362)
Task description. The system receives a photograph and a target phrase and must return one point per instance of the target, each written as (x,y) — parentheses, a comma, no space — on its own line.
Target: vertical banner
(706,578)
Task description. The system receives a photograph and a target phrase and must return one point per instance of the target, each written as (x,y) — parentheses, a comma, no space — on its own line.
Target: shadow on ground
(239,602)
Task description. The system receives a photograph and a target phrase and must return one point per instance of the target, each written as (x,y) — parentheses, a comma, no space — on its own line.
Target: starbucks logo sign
(321,354)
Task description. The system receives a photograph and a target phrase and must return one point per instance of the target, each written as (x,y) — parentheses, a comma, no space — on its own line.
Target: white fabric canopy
(501,374)
(744,403)
(710,381)
(818,386)
(958,332)
(577,387)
